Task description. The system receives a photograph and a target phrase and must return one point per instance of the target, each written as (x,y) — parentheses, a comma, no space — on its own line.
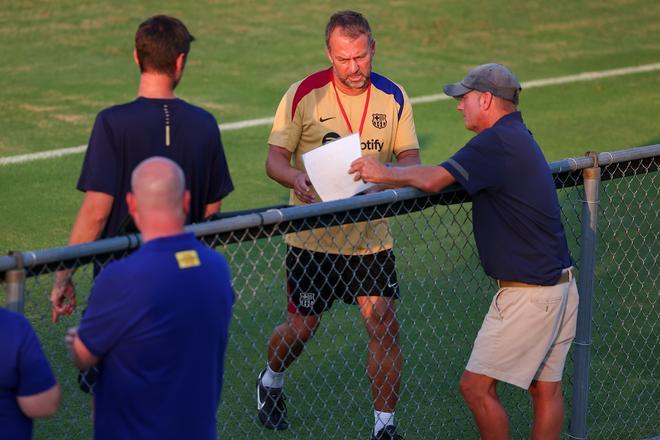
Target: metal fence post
(15,279)
(582,354)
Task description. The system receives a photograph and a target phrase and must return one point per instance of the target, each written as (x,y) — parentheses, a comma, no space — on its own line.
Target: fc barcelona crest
(379,120)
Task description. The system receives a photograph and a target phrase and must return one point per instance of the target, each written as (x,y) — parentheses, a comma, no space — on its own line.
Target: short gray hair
(353,23)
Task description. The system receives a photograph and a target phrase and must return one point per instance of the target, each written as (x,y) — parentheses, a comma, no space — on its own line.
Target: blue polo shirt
(515,210)
(158,321)
(125,135)
(24,371)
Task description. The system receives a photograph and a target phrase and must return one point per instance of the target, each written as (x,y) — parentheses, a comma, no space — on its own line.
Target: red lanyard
(343,112)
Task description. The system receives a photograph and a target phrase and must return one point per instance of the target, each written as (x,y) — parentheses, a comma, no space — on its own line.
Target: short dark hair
(353,23)
(159,40)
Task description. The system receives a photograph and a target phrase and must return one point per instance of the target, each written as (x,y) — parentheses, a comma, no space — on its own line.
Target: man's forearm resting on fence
(429,178)
(404,159)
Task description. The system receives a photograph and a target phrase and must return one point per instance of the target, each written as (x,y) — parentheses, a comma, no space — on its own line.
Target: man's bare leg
(480,394)
(548,404)
(286,343)
(384,359)
(288,340)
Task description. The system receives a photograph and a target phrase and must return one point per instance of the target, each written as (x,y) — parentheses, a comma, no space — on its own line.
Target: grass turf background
(66,60)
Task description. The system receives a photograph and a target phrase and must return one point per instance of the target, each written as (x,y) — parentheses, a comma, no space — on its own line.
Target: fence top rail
(27,259)
(257,218)
(605,158)
(272,216)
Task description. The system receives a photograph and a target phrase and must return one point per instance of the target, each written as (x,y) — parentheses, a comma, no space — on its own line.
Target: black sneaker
(271,407)
(387,433)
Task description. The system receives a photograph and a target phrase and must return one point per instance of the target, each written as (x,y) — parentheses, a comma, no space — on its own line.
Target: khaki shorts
(526,334)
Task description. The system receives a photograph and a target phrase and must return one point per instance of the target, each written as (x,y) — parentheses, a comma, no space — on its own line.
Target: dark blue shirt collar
(510,117)
(169,241)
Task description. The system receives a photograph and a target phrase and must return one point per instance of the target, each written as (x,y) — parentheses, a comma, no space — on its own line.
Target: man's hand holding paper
(327,168)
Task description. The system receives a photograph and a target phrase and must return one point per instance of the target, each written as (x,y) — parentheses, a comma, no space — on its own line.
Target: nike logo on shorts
(326,119)
(393,285)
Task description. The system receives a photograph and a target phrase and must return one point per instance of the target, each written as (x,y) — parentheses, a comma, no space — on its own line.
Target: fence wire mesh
(444,296)
(625,352)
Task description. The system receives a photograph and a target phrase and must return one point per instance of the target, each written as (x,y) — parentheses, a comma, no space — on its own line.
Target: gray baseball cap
(492,77)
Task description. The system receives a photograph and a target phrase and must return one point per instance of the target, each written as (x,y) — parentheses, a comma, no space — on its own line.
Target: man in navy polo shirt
(156,123)
(529,327)
(157,322)
(27,386)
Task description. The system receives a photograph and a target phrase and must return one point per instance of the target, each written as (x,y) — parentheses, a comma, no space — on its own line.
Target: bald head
(159,200)
(158,183)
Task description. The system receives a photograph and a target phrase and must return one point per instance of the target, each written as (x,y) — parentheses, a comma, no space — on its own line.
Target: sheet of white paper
(327,167)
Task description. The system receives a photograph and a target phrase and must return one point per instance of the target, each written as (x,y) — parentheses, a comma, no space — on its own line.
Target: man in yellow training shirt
(353,263)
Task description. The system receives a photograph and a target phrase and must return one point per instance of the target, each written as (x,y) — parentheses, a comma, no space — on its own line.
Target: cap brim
(456,89)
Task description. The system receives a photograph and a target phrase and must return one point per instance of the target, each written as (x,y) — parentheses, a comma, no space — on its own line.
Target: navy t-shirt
(515,210)
(158,320)
(24,371)
(125,135)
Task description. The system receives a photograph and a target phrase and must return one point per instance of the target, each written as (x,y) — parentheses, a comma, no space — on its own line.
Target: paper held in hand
(327,167)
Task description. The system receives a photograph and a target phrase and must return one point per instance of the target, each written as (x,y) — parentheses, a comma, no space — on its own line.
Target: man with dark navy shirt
(529,327)
(156,123)
(157,322)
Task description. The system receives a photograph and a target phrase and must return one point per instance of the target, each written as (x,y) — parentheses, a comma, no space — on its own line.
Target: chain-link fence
(611,379)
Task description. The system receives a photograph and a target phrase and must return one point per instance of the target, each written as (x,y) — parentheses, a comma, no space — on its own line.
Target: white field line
(585,76)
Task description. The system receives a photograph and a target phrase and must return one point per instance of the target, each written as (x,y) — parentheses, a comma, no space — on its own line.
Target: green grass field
(445,294)
(65,60)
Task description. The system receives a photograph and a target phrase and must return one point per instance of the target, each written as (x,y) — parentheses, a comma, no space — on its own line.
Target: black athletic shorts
(316,279)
